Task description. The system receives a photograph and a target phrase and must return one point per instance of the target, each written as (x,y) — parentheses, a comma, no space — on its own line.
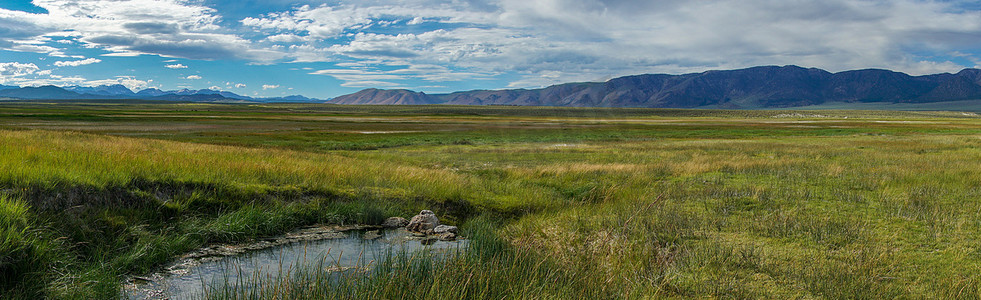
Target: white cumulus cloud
(174,28)
(75,63)
(270,86)
(14,69)
(285,38)
(416,21)
(195,77)
(176,66)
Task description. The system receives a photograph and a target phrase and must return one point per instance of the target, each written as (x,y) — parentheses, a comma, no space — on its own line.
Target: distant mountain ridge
(118,91)
(386,97)
(756,87)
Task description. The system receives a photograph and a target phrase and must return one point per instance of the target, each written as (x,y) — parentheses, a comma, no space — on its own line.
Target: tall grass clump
(26,255)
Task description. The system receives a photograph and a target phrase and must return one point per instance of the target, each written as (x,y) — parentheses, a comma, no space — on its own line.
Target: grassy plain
(560,202)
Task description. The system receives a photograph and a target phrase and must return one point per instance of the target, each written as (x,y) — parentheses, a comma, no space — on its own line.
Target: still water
(349,251)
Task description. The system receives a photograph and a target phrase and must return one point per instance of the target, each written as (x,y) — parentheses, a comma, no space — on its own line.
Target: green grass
(963,105)
(25,251)
(488,269)
(559,202)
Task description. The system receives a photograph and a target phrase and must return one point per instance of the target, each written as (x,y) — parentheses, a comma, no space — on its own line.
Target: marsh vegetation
(557,202)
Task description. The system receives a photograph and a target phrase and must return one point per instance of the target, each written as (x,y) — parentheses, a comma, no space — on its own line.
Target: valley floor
(559,202)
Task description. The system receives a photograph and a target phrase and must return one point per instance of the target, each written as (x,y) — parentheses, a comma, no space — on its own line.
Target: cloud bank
(416,43)
(546,42)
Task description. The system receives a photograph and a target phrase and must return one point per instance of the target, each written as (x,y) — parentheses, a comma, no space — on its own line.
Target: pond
(355,250)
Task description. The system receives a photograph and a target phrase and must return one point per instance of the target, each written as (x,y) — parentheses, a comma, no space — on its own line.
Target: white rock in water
(424,222)
(444,228)
(446,236)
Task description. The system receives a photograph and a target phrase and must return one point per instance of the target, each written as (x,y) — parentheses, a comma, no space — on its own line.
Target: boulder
(444,229)
(395,222)
(424,222)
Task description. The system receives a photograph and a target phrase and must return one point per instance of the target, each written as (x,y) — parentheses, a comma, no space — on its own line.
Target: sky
(325,49)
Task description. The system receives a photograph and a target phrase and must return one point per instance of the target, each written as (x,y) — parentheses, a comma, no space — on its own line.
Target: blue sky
(329,48)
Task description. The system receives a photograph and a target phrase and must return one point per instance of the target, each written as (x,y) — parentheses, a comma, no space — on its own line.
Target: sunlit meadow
(558,203)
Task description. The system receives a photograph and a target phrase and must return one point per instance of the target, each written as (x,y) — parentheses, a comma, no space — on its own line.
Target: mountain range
(750,88)
(756,87)
(118,91)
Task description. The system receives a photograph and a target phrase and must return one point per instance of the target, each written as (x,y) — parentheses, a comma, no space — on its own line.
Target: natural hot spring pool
(336,251)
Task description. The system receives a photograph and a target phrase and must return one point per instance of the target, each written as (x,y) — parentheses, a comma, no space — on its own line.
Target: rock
(424,222)
(447,236)
(395,222)
(444,229)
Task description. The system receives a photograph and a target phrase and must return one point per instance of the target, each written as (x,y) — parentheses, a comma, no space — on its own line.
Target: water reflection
(356,250)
